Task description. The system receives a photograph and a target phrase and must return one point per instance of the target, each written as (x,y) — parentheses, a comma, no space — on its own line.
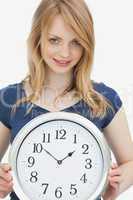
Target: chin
(61,70)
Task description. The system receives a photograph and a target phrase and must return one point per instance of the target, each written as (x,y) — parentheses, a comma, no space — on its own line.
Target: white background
(113,55)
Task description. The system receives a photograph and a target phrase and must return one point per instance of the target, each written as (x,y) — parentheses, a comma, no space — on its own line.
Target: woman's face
(61,49)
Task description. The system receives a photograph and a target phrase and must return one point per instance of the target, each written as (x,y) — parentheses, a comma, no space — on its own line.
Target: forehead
(60,28)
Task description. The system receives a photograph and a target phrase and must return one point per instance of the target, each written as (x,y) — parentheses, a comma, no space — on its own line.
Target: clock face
(59,159)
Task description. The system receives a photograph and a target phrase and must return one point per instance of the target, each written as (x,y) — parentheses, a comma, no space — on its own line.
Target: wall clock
(59,156)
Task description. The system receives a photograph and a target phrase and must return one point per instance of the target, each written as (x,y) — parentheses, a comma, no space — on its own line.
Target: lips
(62,61)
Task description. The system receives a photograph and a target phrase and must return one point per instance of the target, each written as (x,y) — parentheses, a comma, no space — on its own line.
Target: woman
(60,56)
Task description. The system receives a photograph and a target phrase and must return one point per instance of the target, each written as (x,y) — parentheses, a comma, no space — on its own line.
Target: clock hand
(50,154)
(59,161)
(68,155)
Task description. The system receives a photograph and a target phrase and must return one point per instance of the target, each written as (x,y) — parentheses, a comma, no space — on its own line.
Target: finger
(2,194)
(114,165)
(7,189)
(5,175)
(115,172)
(6,167)
(115,185)
(3,182)
(115,179)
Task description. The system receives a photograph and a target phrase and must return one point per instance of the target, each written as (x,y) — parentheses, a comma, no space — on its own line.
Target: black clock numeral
(83,178)
(75,139)
(73,189)
(86,147)
(58,192)
(46,187)
(88,163)
(60,134)
(37,148)
(31,161)
(33,178)
(46,138)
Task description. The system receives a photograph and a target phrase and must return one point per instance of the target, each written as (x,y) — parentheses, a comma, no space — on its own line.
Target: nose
(65,51)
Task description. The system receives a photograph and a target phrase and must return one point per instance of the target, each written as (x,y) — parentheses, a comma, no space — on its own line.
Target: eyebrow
(58,36)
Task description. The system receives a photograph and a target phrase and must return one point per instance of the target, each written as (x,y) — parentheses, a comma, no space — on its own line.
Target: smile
(61,62)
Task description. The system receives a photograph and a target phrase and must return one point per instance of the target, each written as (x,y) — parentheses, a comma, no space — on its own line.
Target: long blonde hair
(77,15)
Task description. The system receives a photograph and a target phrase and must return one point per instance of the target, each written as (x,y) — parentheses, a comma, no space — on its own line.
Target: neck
(57,81)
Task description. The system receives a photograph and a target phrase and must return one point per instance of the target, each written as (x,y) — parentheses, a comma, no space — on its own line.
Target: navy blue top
(13,92)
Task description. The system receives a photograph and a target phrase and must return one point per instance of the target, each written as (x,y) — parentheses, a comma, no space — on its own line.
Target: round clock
(59,156)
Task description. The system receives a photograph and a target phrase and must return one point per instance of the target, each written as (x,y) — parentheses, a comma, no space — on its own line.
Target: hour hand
(68,155)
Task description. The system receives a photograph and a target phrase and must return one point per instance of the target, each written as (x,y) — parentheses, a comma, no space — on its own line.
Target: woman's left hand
(114,178)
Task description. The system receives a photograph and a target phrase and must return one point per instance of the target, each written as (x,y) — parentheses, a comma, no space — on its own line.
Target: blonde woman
(60,56)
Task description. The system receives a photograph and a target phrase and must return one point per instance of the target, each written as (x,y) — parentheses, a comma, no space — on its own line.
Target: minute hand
(50,154)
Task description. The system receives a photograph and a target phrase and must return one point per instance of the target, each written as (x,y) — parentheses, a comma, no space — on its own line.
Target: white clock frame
(60,116)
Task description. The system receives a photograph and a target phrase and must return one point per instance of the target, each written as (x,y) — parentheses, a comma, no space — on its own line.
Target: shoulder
(103,88)
(10,93)
(11,88)
(109,93)
(8,97)
(112,96)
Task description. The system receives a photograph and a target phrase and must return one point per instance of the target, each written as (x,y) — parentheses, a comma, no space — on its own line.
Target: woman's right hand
(6,184)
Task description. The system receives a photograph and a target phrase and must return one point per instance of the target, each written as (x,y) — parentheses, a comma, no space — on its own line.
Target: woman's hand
(114,178)
(6,184)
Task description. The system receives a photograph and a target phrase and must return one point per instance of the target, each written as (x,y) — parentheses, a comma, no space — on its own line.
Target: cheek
(77,54)
(50,52)
(47,51)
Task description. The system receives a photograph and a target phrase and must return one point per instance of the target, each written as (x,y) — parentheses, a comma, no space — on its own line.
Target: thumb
(114,165)
(6,167)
